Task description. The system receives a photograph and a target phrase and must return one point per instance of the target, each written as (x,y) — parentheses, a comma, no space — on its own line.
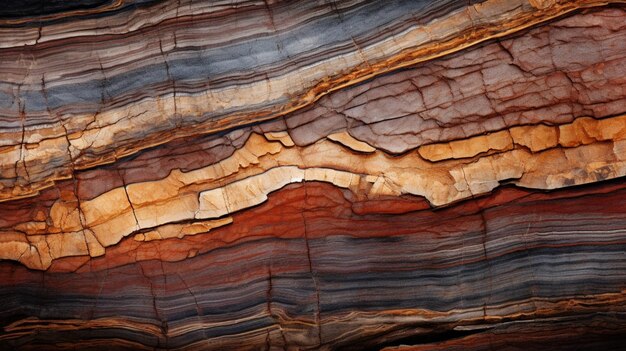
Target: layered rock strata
(408,175)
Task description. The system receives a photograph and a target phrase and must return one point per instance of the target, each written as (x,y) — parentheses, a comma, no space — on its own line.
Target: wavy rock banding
(410,175)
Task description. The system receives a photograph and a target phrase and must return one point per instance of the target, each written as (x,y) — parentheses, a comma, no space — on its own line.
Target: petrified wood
(304,175)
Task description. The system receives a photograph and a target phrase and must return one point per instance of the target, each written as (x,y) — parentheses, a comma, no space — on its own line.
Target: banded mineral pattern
(313,175)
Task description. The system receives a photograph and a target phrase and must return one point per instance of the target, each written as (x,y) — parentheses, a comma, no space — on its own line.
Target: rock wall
(313,175)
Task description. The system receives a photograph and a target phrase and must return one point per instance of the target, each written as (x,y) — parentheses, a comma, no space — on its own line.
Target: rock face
(313,175)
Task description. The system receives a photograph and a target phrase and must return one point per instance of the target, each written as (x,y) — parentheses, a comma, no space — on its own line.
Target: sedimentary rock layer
(150,80)
(407,175)
(305,269)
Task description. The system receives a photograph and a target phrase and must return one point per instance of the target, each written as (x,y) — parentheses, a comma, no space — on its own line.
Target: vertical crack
(268,345)
(271,17)
(484,244)
(95,305)
(270,311)
(512,61)
(163,326)
(22,113)
(22,158)
(484,232)
(82,219)
(335,9)
(171,80)
(39,33)
(268,293)
(195,300)
(132,207)
(533,288)
(311,271)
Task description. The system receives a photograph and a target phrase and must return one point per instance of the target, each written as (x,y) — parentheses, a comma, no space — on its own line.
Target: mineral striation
(313,175)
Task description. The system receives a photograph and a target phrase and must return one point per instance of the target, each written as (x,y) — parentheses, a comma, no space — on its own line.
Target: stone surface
(351,175)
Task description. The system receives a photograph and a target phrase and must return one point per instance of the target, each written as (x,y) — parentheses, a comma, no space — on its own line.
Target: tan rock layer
(582,131)
(588,150)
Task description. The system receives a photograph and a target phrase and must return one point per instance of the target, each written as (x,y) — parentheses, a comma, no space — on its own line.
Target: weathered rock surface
(406,175)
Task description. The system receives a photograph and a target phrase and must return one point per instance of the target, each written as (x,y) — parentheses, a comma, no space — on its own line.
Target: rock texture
(304,175)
